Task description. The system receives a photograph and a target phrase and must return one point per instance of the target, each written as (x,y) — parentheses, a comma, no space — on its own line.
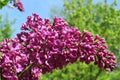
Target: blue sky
(42,7)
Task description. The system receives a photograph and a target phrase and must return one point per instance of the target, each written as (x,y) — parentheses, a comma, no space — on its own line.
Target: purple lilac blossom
(50,46)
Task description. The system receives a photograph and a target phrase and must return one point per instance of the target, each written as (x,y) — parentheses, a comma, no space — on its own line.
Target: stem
(95,78)
(91,72)
(26,69)
(15,1)
(1,77)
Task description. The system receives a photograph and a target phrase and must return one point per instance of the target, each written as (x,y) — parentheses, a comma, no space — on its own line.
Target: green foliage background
(3,3)
(100,18)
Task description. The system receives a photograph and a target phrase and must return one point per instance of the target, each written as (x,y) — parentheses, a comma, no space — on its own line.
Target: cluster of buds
(43,46)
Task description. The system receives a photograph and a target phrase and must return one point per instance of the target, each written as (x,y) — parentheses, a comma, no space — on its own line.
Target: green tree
(102,18)
(3,3)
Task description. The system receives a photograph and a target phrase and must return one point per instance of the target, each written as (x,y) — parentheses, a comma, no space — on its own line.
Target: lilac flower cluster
(19,5)
(43,46)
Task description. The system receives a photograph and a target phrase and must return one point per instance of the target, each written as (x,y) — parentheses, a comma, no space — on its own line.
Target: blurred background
(97,16)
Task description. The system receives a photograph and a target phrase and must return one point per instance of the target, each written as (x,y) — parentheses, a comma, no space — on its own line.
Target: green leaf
(3,3)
